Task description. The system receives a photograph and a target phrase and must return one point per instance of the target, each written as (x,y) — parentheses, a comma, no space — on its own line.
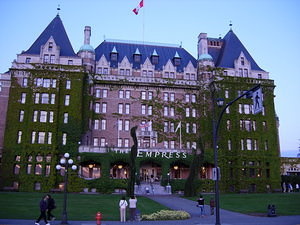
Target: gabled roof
(57,31)
(230,51)
(146,50)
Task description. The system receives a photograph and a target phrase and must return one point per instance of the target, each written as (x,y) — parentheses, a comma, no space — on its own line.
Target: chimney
(87,35)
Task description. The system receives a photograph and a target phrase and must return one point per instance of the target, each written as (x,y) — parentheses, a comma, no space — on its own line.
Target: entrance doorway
(150,172)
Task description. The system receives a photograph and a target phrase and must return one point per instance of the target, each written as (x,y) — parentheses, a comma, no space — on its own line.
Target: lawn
(285,203)
(80,206)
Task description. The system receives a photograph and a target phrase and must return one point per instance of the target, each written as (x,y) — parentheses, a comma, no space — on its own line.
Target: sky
(269,29)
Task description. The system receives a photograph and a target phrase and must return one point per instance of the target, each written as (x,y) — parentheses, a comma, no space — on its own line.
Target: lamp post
(220,102)
(65,163)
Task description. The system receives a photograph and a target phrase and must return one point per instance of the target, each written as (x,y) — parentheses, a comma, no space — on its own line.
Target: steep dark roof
(146,50)
(57,31)
(230,51)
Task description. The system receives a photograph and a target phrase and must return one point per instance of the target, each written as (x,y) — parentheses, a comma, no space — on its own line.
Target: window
(194,128)
(33,136)
(45,98)
(127,124)
(19,137)
(150,110)
(46,58)
(50,46)
(70,62)
(229,145)
(41,137)
(193,112)
(21,116)
(127,94)
(52,100)
(104,93)
(242,61)
(172,111)
(104,107)
(228,125)
(187,112)
(46,83)
(193,98)
(246,72)
(67,100)
(143,109)
(120,108)
(97,93)
(103,124)
(259,76)
(127,108)
(36,98)
(166,110)
(97,108)
(166,144)
(172,97)
(29,168)
(166,96)
(121,94)
(143,95)
(119,142)
(150,95)
(96,124)
(166,127)
(64,139)
(96,142)
(102,142)
(120,124)
(137,58)
(242,144)
(172,144)
(172,127)
(105,70)
(68,84)
(266,145)
(126,142)
(47,170)
(25,82)
(38,169)
(23,98)
(51,115)
(66,117)
(27,60)
(187,97)
(187,128)
(226,94)
(16,169)
(249,144)
(43,116)
(49,138)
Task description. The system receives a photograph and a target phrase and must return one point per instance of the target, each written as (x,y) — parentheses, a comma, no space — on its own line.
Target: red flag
(136,10)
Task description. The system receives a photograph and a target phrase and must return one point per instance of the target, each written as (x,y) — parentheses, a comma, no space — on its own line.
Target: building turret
(87,52)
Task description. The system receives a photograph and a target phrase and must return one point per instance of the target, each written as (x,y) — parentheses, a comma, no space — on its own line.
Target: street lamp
(65,163)
(220,102)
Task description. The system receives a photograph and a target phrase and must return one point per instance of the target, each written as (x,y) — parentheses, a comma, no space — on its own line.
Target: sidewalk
(177,203)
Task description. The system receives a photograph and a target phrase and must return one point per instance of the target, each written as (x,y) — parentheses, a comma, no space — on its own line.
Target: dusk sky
(269,29)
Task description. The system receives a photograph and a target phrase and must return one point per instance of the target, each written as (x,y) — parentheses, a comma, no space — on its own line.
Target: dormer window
(137,56)
(154,57)
(176,59)
(50,46)
(114,54)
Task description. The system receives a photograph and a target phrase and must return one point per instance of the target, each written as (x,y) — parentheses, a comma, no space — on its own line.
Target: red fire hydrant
(98,218)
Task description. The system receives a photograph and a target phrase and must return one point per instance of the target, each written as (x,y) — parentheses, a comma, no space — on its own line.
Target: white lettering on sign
(167,155)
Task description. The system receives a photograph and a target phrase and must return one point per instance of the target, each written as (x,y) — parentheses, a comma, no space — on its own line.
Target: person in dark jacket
(51,206)
(43,210)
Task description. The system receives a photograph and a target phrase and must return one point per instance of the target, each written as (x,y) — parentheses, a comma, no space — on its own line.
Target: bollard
(271,211)
(98,218)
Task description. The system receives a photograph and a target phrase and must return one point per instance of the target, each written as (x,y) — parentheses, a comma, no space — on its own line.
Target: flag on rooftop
(140,5)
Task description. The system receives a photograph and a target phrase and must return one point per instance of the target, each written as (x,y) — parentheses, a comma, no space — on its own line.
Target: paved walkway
(177,203)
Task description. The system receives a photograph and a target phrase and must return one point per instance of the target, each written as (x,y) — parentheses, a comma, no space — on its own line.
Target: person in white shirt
(123,204)
(132,207)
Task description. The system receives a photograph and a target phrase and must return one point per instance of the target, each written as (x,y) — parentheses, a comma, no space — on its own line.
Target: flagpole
(144,22)
(180,136)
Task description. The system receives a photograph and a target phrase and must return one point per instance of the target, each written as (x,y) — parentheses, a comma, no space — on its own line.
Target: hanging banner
(257,101)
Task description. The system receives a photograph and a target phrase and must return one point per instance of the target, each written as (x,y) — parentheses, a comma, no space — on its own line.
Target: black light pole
(220,103)
(65,163)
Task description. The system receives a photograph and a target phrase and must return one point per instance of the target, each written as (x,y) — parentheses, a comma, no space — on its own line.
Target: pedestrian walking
(43,209)
(212,206)
(123,205)
(201,205)
(51,206)
(132,207)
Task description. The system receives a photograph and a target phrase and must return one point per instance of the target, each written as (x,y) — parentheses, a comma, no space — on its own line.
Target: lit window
(96,142)
(119,142)
(104,93)
(226,94)
(67,100)
(166,127)
(187,97)
(21,116)
(64,139)
(68,84)
(49,138)
(46,83)
(166,96)
(96,124)
(172,111)
(43,116)
(127,122)
(172,144)
(127,108)
(126,142)
(97,107)
(25,82)
(143,109)
(23,98)
(51,115)
(19,137)
(143,95)
(121,94)
(187,128)
(229,145)
(54,83)
(102,143)
(166,110)
(166,144)
(36,98)
(127,94)
(38,169)
(187,112)
(103,124)
(120,108)
(194,128)
(172,97)
(193,112)
(193,98)
(249,144)
(242,144)
(172,127)
(150,95)
(120,124)
(66,117)
(52,100)
(150,110)
(41,137)
(33,136)
(45,98)
(104,107)
(97,93)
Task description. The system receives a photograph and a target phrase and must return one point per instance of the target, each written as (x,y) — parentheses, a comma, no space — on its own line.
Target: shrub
(167,215)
